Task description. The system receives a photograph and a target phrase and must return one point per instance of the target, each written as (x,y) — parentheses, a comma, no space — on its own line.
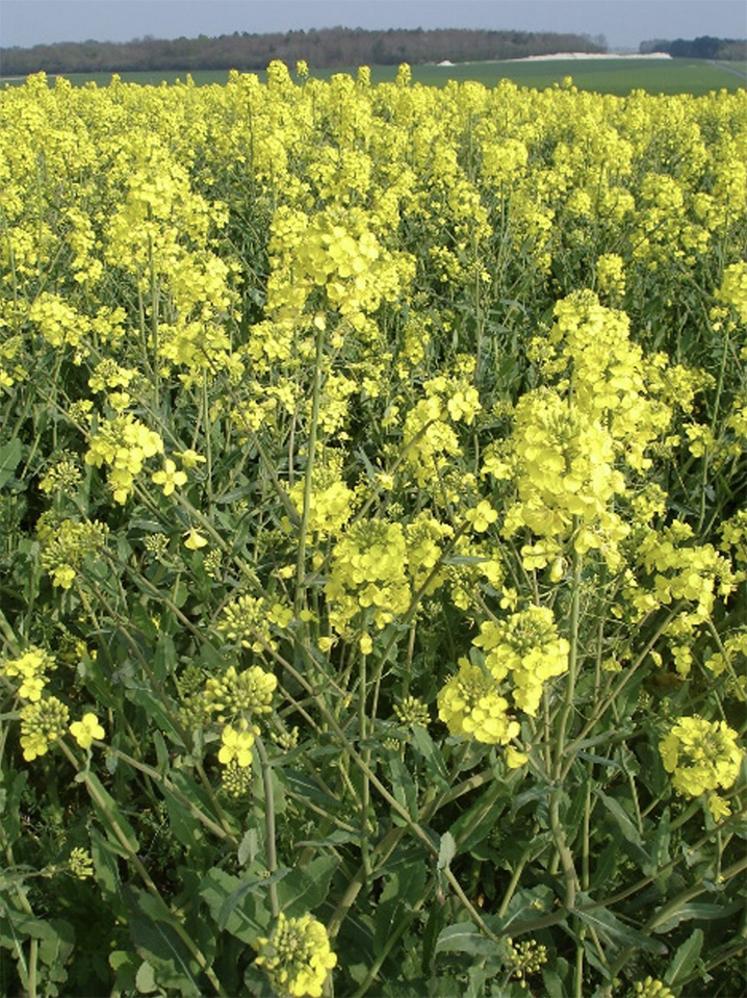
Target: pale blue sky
(624,22)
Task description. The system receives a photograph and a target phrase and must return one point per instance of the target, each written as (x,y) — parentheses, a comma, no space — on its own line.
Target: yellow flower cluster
(525,646)
(469,704)
(297,957)
(702,755)
(571,442)
(32,668)
(43,721)
(234,692)
(681,570)
(247,621)
(652,987)
(236,700)
(65,546)
(123,444)
(368,572)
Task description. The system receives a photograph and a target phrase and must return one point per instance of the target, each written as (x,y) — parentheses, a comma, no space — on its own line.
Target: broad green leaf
(105,865)
(464,937)
(305,888)
(145,979)
(10,456)
(699,911)
(236,905)
(402,890)
(155,711)
(684,960)
(183,823)
(124,965)
(482,817)
(158,944)
(248,847)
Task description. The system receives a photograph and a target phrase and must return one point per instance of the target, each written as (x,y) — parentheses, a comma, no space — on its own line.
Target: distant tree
(327,47)
(704,47)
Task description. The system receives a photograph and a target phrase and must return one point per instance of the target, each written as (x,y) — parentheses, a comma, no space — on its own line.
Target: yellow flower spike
(86,730)
(194,540)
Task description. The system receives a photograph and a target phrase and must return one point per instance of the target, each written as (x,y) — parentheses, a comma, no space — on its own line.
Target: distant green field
(615,76)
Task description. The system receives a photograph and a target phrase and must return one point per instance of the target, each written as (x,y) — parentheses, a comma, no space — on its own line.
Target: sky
(624,23)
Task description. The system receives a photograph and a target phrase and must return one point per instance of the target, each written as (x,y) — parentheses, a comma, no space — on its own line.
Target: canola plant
(374,540)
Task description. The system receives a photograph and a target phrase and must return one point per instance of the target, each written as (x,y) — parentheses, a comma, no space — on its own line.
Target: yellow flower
(189,458)
(31,688)
(169,478)
(86,730)
(236,745)
(481,516)
(194,540)
(515,759)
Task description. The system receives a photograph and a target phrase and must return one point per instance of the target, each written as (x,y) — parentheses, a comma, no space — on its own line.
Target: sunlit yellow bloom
(194,540)
(86,730)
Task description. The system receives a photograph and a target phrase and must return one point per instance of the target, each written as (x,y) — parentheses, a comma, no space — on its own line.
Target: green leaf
(615,932)
(248,847)
(184,825)
(158,944)
(236,905)
(305,888)
(124,965)
(699,911)
(446,851)
(464,937)
(402,890)
(622,819)
(110,815)
(145,979)
(403,788)
(684,960)
(155,712)
(435,765)
(105,865)
(481,818)
(10,456)
(10,805)
(553,984)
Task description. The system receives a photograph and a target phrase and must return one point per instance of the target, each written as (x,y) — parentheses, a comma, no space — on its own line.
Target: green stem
(570,689)
(270,844)
(366,790)
(307,486)
(414,827)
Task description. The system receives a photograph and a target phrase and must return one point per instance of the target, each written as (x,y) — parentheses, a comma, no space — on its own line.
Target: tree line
(323,48)
(705,47)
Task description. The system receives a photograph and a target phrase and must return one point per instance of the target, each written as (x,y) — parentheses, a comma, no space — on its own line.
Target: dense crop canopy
(373,544)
